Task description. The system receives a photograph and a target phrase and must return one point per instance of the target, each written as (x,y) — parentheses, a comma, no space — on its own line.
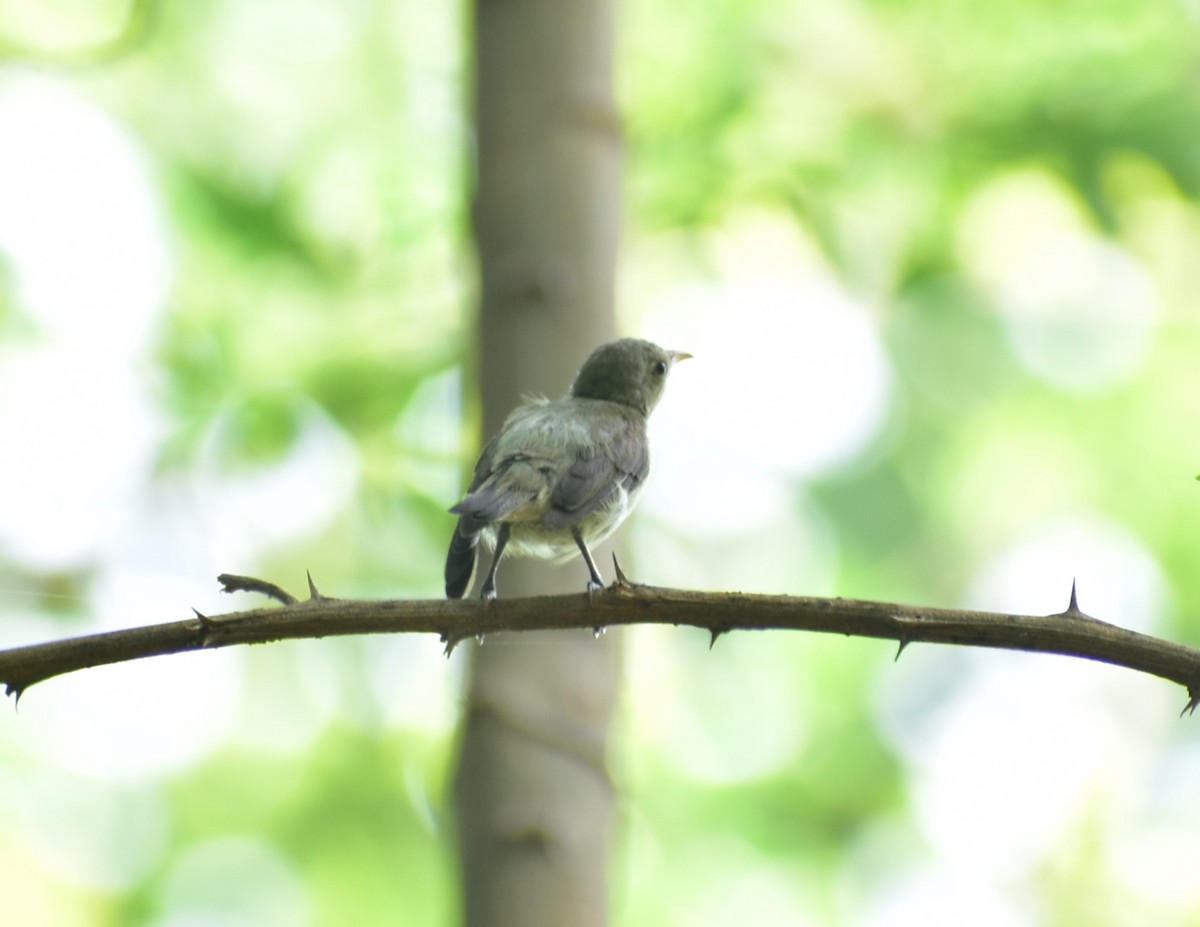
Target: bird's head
(630,371)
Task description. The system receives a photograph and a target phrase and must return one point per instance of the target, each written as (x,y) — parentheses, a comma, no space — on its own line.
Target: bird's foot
(594,586)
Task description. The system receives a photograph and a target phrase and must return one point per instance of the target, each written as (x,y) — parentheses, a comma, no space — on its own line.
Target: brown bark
(1069,632)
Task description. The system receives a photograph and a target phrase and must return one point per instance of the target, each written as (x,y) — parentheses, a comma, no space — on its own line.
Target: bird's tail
(460,563)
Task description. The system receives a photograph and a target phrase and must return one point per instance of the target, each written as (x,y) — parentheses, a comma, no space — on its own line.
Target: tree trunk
(534,801)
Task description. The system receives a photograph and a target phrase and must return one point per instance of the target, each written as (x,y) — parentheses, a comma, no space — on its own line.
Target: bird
(562,474)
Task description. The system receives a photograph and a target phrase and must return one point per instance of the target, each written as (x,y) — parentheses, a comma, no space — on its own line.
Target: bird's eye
(660,368)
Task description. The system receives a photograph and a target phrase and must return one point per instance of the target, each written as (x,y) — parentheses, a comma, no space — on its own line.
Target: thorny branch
(1069,632)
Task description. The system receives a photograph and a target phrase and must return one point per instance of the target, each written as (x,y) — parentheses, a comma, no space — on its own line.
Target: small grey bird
(563,474)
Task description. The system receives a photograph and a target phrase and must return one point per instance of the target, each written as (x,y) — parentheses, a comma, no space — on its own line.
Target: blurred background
(937,263)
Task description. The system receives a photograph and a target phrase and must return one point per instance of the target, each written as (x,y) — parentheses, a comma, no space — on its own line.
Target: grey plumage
(562,474)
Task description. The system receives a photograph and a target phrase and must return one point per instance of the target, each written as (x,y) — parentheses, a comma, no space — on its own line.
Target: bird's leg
(596,582)
(489,582)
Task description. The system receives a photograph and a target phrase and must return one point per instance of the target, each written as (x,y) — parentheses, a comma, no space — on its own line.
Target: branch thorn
(904,642)
(313,594)
(452,639)
(206,626)
(1073,605)
(715,633)
(16,691)
(622,579)
(1193,701)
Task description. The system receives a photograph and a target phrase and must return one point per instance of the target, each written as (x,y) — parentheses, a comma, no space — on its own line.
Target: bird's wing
(512,473)
(556,465)
(512,481)
(500,490)
(618,460)
(516,481)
